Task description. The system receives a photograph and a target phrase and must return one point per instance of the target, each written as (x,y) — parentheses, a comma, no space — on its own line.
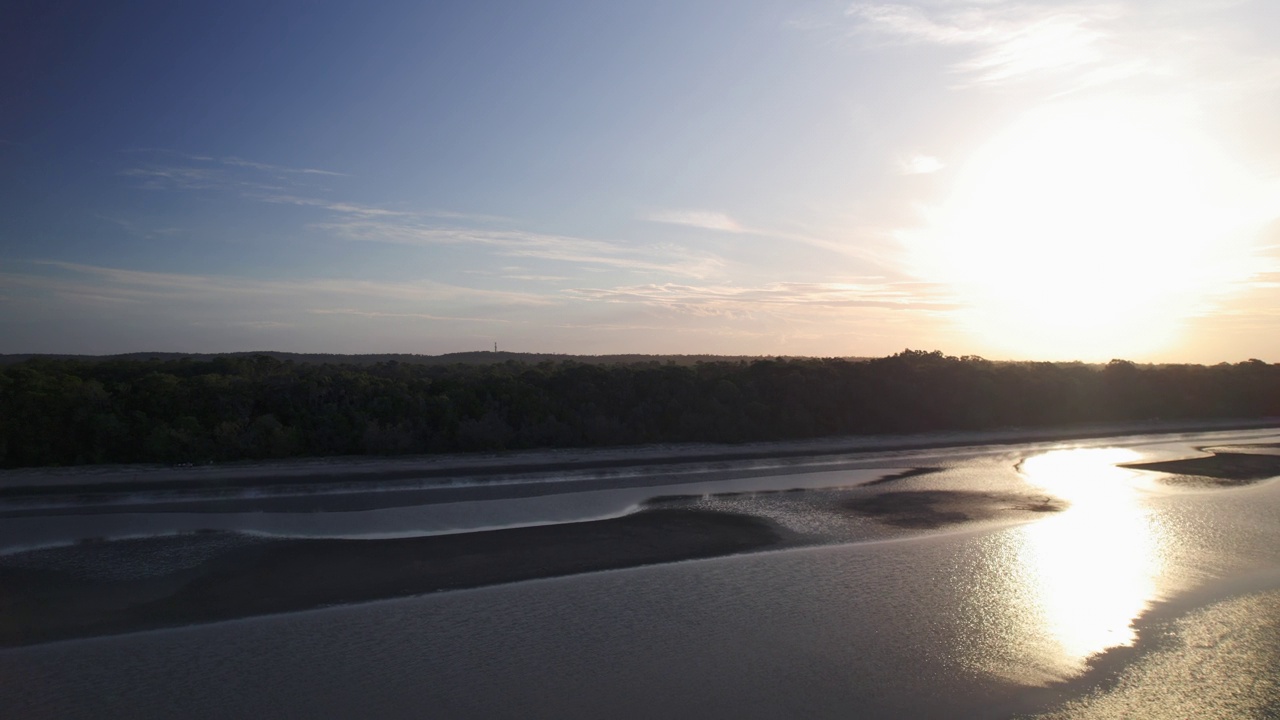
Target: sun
(1088,231)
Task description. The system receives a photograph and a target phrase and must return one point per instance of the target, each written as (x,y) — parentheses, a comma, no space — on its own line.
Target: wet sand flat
(931,509)
(107,587)
(47,598)
(1220,468)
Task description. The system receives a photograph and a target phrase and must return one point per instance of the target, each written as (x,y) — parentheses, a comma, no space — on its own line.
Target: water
(1149,585)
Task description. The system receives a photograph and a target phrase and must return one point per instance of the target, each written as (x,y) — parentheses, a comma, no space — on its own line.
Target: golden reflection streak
(1094,567)
(1071,585)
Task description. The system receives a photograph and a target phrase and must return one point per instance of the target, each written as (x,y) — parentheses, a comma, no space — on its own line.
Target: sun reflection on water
(1071,585)
(1095,566)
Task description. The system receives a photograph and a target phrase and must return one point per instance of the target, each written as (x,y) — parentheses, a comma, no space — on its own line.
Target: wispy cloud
(1008,41)
(865,247)
(705,219)
(345,208)
(1081,44)
(402,315)
(210,161)
(145,286)
(174,178)
(519,243)
(363,222)
(259,325)
(921,165)
(516,272)
(801,298)
(824,318)
(536,278)
(159,169)
(141,228)
(240,162)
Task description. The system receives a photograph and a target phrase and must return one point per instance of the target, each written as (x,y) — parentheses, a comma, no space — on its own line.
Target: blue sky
(1050,180)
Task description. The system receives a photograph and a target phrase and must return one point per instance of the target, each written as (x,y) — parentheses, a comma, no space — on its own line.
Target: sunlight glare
(1093,568)
(1090,231)
(1050,594)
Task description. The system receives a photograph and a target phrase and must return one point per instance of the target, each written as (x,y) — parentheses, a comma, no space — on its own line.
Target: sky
(1016,180)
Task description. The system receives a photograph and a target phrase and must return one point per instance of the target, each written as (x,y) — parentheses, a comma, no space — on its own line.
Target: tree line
(76,411)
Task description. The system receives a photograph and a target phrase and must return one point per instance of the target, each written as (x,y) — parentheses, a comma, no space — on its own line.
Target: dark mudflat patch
(1220,468)
(659,500)
(913,472)
(66,592)
(938,508)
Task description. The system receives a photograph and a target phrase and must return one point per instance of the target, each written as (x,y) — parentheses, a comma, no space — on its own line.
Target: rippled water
(1136,581)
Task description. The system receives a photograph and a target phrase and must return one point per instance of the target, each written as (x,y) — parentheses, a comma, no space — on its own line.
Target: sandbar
(1219,468)
(56,593)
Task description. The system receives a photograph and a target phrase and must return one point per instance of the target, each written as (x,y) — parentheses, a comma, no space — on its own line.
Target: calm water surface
(1157,588)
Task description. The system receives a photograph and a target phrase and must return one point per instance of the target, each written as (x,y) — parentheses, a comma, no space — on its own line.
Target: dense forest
(76,411)
(480,357)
